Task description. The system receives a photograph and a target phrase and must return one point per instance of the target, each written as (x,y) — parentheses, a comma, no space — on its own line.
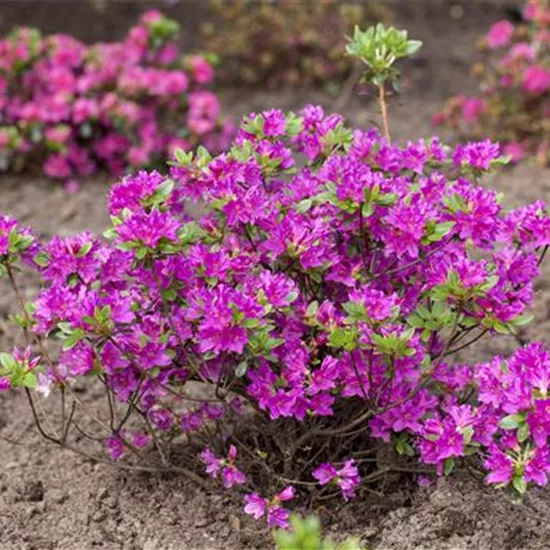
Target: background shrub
(74,109)
(284,42)
(513,105)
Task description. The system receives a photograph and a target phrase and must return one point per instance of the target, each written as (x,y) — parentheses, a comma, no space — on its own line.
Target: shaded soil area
(55,500)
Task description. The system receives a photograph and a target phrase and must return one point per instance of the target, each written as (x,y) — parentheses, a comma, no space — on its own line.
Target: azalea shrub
(513,105)
(308,320)
(284,42)
(74,109)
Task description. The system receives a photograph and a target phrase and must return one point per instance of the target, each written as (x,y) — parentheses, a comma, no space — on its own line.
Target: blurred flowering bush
(310,316)
(75,109)
(284,42)
(513,105)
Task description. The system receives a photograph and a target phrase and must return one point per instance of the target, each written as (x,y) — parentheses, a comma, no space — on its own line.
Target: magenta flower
(7,224)
(231,475)
(276,515)
(473,108)
(500,34)
(500,466)
(255,505)
(162,419)
(212,462)
(149,228)
(347,477)
(515,150)
(536,79)
(115,447)
(325,473)
(477,155)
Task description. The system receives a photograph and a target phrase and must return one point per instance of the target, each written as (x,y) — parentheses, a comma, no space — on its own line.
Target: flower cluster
(346,478)
(284,42)
(323,294)
(230,473)
(513,105)
(76,109)
(276,515)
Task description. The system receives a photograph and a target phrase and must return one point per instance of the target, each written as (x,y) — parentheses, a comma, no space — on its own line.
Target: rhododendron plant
(76,109)
(513,105)
(321,297)
(309,318)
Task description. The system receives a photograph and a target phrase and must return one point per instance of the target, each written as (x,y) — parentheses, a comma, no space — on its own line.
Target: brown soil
(55,500)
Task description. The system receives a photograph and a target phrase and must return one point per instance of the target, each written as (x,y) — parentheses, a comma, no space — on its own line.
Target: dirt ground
(55,500)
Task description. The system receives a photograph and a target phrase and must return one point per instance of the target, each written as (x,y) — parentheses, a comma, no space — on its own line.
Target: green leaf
(511,422)
(413,46)
(468,433)
(84,249)
(304,205)
(448,466)
(30,381)
(519,484)
(163,192)
(72,339)
(141,252)
(312,309)
(241,369)
(387,199)
(250,323)
(523,432)
(169,294)
(294,124)
(41,259)
(415,321)
(183,158)
(274,343)
(522,320)
(7,361)
(345,338)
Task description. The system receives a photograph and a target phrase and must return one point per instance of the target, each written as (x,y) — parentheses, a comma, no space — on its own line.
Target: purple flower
(7,224)
(274,123)
(149,228)
(162,419)
(277,516)
(288,493)
(477,155)
(231,475)
(255,505)
(500,34)
(325,473)
(347,477)
(536,79)
(115,447)
(212,462)
(500,466)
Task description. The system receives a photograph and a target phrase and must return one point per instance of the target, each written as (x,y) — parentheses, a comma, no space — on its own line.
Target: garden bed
(57,500)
